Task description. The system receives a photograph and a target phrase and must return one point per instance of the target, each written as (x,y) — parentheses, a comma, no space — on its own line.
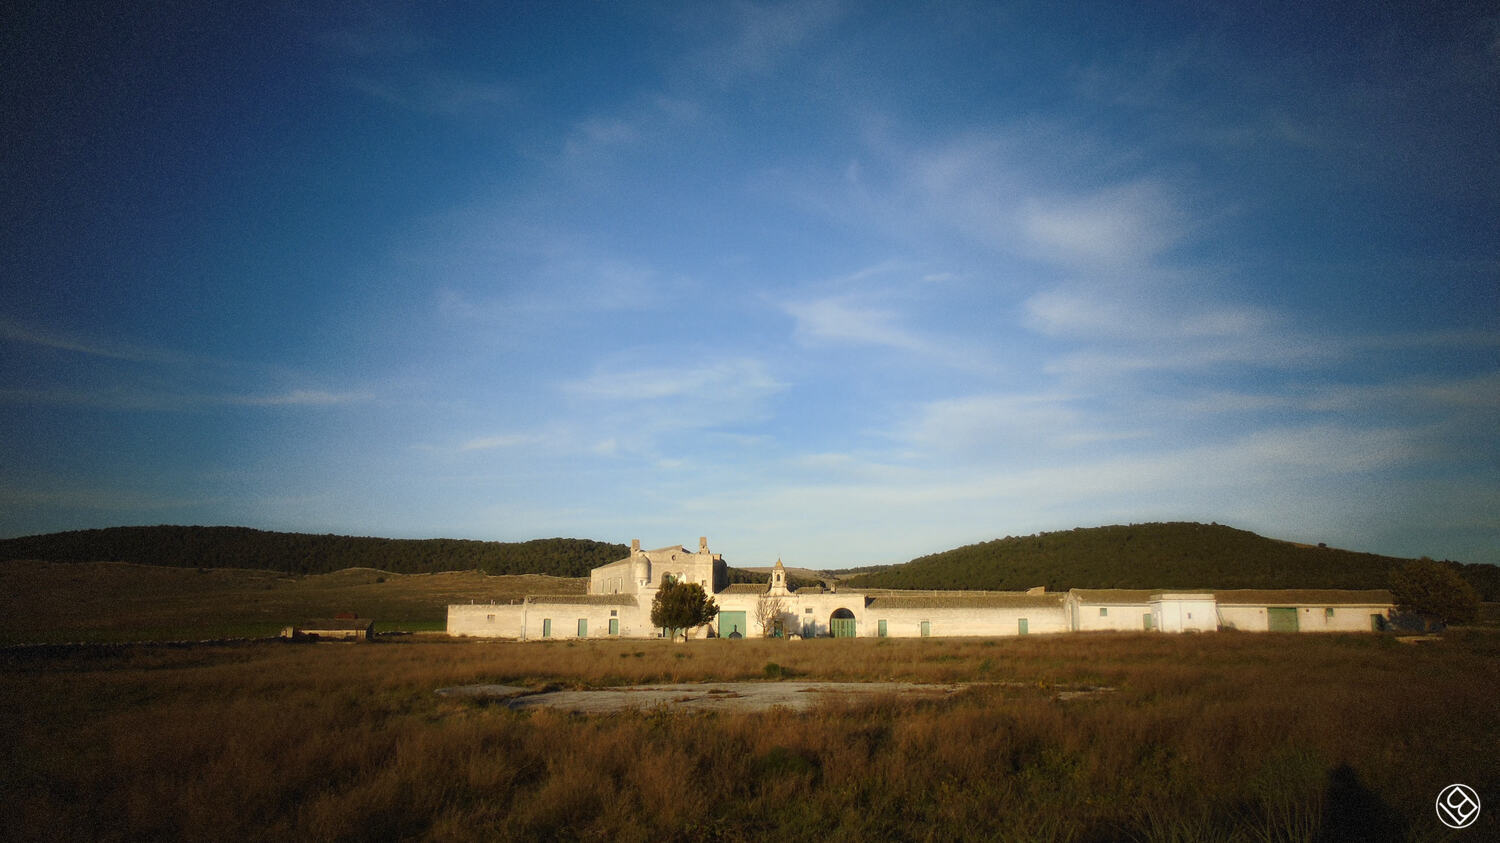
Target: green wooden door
(842,627)
(1148,622)
(614,626)
(926,629)
(1281,619)
(1022,627)
(731,623)
(546,627)
(583,627)
(881,632)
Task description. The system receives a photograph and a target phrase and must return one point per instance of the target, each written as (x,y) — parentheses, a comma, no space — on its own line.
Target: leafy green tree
(1434,590)
(682,606)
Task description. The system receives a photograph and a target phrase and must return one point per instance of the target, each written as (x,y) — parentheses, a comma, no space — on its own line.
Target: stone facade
(620,595)
(641,572)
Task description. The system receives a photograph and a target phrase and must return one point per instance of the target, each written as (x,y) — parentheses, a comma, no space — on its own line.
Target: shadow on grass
(1353,812)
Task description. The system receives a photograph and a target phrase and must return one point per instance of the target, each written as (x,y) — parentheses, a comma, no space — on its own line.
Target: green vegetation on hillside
(302,553)
(1174,555)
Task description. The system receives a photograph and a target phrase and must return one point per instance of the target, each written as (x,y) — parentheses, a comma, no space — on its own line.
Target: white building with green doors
(618,605)
(1303,610)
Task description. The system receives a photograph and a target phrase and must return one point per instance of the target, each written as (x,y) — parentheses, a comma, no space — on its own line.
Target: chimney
(703,544)
(635,545)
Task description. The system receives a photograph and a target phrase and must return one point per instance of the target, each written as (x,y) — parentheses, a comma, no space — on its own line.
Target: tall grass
(1249,738)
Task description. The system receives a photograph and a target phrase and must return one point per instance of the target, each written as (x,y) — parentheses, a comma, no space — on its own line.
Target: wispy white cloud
(12,331)
(378,29)
(712,381)
(143,399)
(1418,396)
(295,398)
(662,411)
(440,93)
(992,423)
(845,319)
(597,132)
(1130,224)
(763,35)
(498,441)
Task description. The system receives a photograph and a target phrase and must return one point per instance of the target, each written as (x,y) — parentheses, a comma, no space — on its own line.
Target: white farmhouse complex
(618,604)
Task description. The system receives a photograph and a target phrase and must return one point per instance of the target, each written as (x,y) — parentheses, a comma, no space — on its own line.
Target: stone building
(620,595)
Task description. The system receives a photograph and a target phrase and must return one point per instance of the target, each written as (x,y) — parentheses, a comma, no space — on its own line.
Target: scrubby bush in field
(1434,590)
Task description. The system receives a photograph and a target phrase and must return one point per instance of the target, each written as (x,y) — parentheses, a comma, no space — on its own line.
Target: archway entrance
(841,623)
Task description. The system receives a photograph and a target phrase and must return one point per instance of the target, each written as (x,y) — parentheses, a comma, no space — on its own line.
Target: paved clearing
(713,696)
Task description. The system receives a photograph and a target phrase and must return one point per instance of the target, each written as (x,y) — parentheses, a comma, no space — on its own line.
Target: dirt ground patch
(713,696)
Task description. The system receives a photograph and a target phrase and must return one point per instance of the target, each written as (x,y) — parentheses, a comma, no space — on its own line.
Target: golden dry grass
(1211,737)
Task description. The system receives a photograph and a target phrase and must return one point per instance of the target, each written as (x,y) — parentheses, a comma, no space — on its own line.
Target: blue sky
(841,282)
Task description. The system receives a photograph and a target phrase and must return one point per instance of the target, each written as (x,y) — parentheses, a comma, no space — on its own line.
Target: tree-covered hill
(1173,555)
(301,553)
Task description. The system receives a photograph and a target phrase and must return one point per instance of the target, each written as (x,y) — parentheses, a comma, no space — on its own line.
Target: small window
(1328,614)
(490,618)
(1103,612)
(614,613)
(808,610)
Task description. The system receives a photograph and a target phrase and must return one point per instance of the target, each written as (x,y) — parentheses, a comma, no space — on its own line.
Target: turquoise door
(732,625)
(614,626)
(841,624)
(1021,627)
(881,630)
(583,627)
(926,628)
(1148,622)
(1281,619)
(546,627)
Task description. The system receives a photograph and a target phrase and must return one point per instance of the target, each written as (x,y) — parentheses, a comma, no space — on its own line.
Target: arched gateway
(841,623)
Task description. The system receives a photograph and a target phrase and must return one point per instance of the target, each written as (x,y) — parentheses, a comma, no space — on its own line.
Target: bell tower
(778,580)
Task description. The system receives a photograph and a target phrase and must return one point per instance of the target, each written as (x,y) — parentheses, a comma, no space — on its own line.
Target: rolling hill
(302,553)
(1171,555)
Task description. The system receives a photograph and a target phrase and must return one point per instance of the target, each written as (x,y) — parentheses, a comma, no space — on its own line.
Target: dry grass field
(117,601)
(1208,737)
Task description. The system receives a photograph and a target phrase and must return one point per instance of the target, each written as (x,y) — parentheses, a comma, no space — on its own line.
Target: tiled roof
(336,624)
(962,600)
(1302,597)
(1096,596)
(584,600)
(745,588)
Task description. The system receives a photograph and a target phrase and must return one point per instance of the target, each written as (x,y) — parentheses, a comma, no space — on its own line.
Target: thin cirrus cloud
(737,378)
(1129,224)
(844,319)
(14,331)
(434,92)
(499,441)
(753,39)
